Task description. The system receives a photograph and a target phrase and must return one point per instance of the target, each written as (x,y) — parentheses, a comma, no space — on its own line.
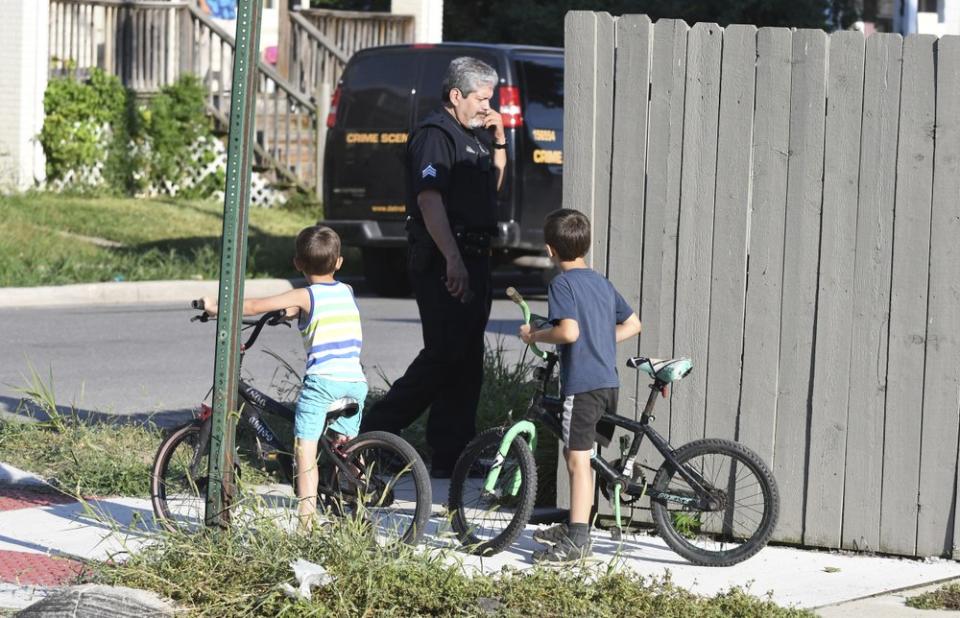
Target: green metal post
(243,98)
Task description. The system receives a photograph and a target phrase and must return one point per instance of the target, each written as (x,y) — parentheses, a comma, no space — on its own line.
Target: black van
(384,92)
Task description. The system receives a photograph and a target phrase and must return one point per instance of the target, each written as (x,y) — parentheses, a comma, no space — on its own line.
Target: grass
(83,458)
(79,458)
(49,239)
(240,572)
(944,597)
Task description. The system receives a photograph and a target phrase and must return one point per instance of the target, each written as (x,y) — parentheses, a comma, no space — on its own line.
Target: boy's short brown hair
(318,249)
(568,232)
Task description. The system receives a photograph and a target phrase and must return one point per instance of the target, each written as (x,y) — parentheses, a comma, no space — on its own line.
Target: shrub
(173,127)
(96,136)
(85,132)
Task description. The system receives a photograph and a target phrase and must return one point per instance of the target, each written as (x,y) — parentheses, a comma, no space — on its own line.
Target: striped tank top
(331,333)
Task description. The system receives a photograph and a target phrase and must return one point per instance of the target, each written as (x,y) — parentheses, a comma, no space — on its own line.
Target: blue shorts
(314,401)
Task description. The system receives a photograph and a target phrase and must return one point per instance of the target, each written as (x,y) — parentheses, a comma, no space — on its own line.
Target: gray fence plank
(701,111)
(828,419)
(941,387)
(908,298)
(801,239)
(868,358)
(664,164)
(579,133)
(603,141)
(761,345)
(634,38)
(729,270)
(579,110)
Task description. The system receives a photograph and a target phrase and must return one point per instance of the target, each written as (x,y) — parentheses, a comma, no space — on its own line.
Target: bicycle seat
(344,407)
(669,370)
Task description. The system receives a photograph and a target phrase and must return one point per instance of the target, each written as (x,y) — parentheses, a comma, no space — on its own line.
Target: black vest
(471,194)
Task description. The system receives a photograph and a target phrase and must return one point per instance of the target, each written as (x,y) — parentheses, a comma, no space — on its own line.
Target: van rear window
(376,93)
(542,89)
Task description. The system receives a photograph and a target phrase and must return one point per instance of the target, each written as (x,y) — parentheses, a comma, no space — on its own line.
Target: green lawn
(50,239)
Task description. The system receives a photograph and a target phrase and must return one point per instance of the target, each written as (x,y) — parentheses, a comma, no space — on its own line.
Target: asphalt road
(151,360)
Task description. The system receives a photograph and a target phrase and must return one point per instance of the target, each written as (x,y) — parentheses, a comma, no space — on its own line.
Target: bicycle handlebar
(271,318)
(515,296)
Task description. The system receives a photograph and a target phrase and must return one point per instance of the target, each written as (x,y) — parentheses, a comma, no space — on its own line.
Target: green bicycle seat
(667,371)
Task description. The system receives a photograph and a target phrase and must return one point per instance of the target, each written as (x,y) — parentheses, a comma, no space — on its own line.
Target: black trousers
(447,374)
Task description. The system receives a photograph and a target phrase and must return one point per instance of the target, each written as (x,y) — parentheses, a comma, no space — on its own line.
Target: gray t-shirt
(584,295)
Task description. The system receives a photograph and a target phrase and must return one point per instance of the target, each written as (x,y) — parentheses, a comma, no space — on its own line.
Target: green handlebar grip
(514,295)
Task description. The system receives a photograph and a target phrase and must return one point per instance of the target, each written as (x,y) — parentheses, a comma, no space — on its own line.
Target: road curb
(131,292)
(11,476)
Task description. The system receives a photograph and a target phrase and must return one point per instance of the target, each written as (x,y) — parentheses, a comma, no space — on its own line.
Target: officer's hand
(458,280)
(493,122)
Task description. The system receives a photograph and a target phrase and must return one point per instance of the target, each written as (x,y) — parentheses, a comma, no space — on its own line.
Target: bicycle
(714,502)
(377,476)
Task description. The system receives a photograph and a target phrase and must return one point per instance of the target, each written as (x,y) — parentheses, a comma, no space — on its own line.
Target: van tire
(385,270)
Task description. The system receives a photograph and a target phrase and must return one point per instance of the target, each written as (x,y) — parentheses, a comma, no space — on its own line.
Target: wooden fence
(783,206)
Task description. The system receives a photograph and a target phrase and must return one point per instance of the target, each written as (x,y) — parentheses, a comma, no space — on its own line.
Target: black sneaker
(564,552)
(552,535)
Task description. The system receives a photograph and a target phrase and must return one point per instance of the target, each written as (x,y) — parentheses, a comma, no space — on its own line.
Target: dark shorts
(580,415)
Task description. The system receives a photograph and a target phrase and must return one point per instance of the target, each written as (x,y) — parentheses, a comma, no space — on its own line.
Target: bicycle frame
(546,409)
(254,403)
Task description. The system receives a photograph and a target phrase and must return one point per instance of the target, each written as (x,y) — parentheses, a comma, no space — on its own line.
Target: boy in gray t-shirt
(589,318)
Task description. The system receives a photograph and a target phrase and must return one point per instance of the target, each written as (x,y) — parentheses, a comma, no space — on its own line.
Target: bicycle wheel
(743,517)
(178,481)
(487,522)
(390,491)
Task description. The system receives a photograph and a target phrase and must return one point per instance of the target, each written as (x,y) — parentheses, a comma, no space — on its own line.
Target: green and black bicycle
(714,501)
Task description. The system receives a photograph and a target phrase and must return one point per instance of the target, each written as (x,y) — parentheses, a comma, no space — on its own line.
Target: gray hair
(467,74)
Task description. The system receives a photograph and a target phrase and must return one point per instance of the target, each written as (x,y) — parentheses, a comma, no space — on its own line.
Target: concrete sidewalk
(129,292)
(45,539)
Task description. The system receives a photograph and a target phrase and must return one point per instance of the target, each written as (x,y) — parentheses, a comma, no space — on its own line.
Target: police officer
(455,165)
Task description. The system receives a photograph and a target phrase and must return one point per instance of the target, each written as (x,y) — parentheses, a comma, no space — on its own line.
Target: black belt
(473,239)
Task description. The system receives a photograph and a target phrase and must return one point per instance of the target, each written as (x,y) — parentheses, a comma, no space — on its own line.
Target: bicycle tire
(468,478)
(401,459)
(163,477)
(681,529)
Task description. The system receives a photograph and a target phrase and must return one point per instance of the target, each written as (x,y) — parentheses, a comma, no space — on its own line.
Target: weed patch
(241,572)
(944,597)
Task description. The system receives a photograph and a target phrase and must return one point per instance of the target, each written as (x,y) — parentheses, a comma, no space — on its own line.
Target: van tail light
(334,102)
(510,107)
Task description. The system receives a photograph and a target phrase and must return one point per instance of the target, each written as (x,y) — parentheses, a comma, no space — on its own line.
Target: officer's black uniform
(447,374)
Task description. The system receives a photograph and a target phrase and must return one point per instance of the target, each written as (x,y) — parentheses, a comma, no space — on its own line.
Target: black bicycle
(376,476)
(714,502)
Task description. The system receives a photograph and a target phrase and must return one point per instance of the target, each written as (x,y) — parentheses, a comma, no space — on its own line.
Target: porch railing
(148,44)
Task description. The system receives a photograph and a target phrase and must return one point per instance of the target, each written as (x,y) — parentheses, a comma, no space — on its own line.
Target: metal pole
(243,103)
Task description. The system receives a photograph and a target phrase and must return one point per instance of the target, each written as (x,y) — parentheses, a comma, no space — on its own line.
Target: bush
(85,132)
(96,136)
(172,126)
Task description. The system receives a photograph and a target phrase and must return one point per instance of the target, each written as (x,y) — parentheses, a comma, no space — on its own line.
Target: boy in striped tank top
(329,323)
